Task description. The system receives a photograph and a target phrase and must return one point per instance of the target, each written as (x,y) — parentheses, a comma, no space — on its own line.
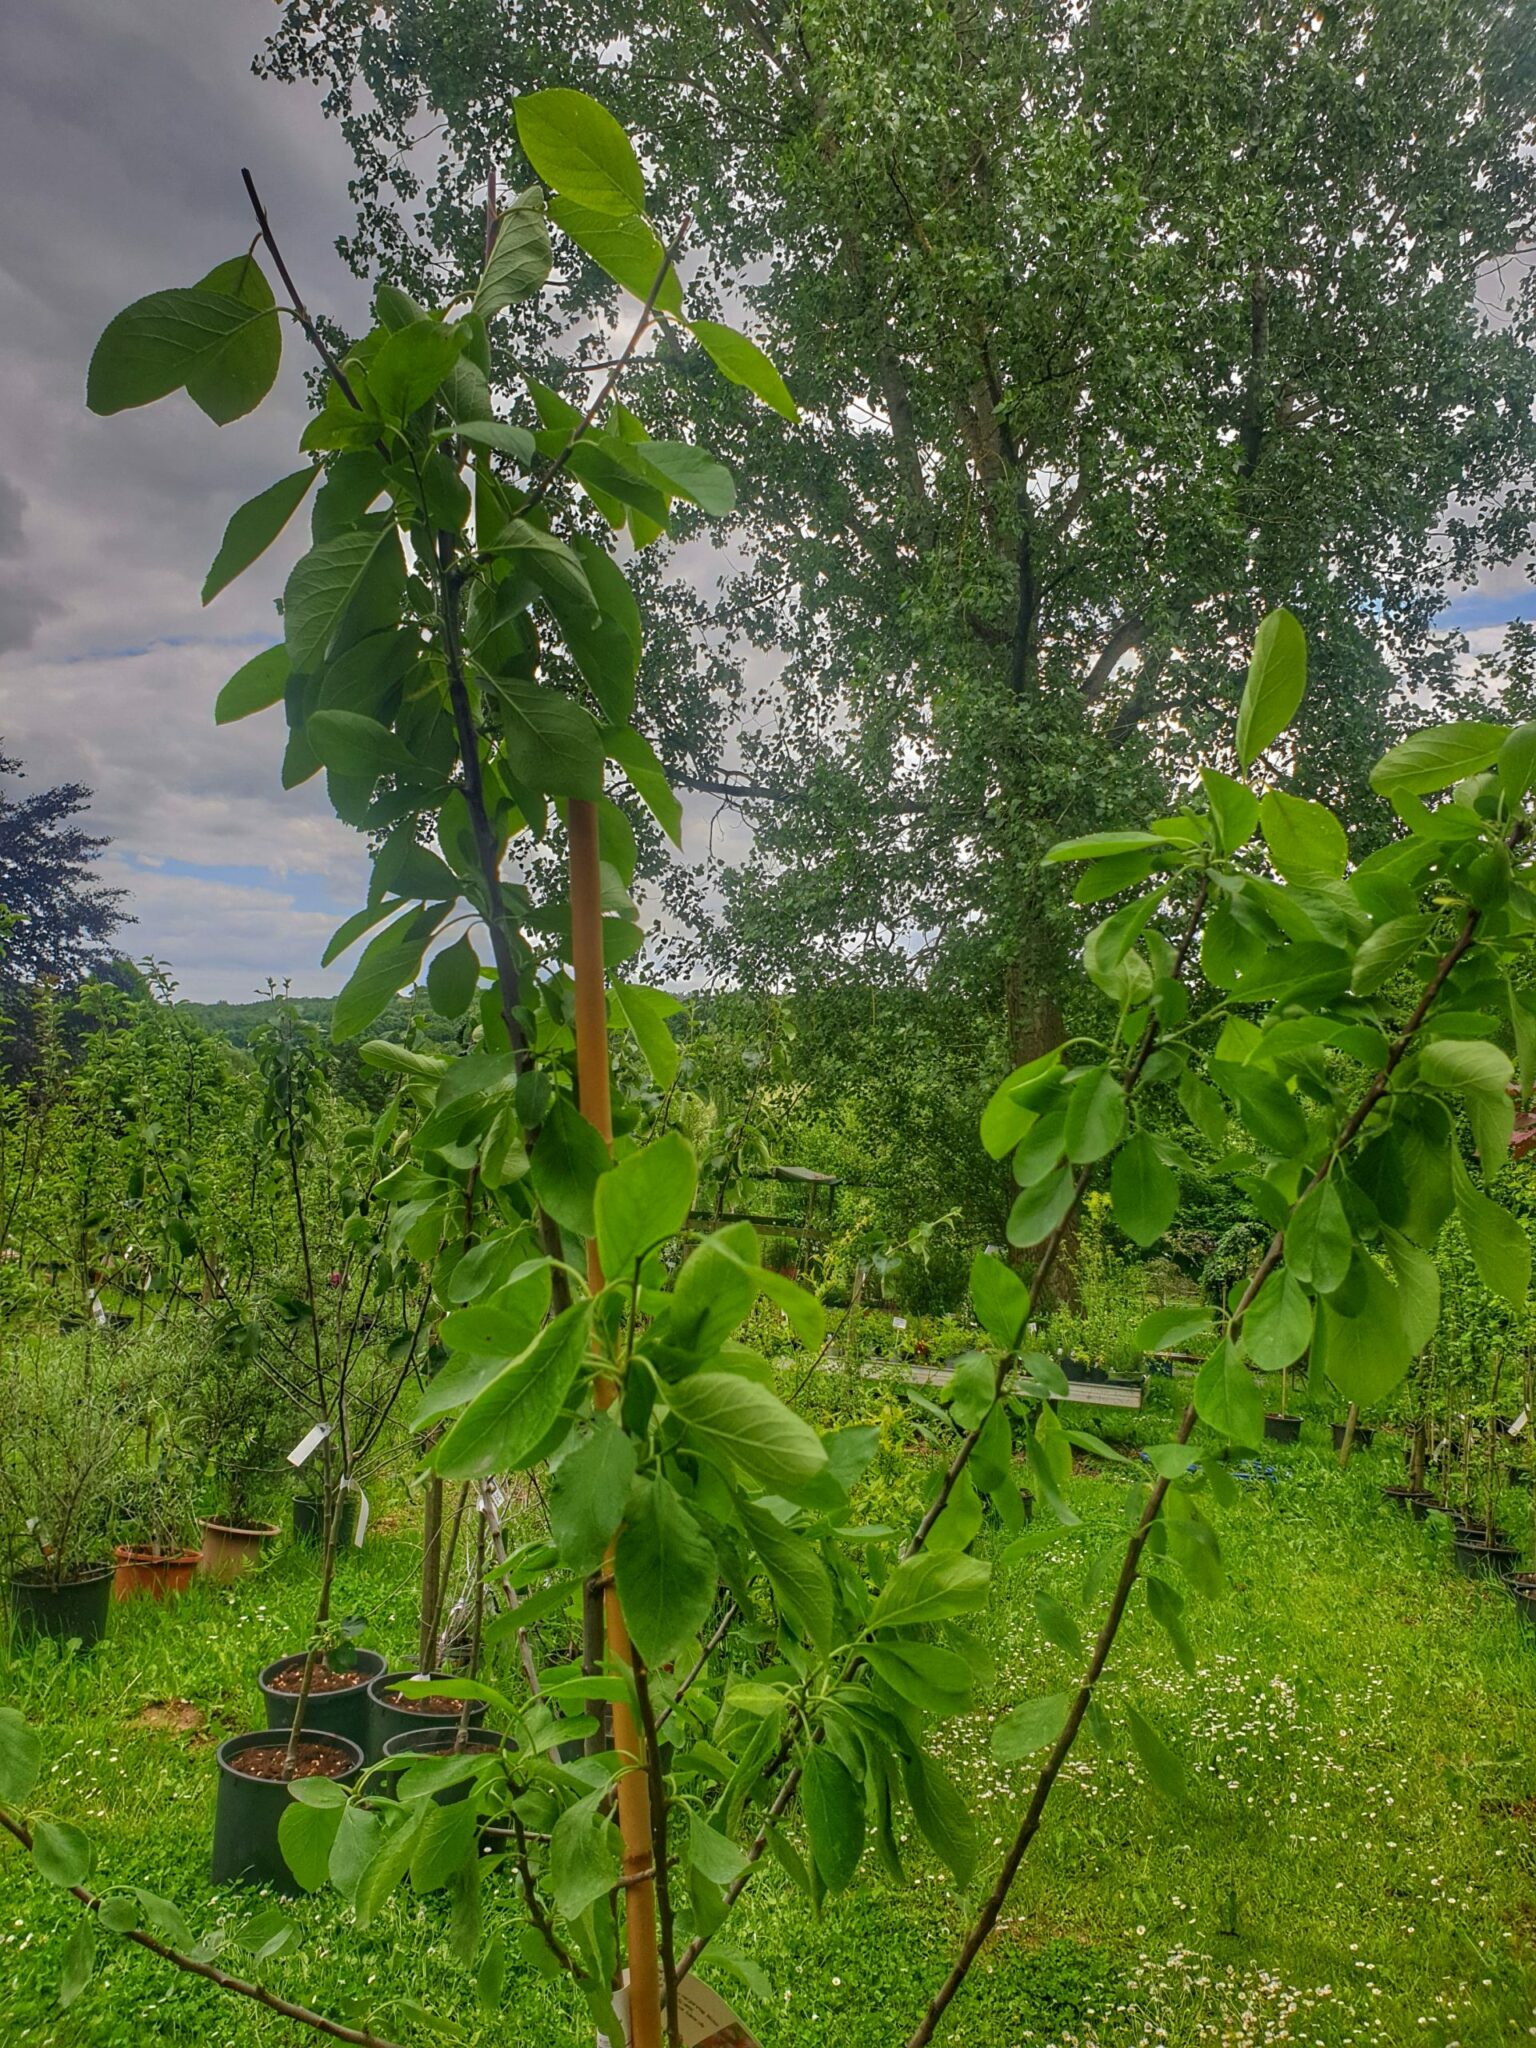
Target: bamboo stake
(593,1095)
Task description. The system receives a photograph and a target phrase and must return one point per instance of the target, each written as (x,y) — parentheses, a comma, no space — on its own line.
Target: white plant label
(898,1322)
(362,1515)
(307,1446)
(1518,1425)
(704,2018)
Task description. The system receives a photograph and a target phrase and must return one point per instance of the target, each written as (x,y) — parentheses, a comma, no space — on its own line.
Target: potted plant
(1285,1427)
(154,1512)
(245,1428)
(62,1432)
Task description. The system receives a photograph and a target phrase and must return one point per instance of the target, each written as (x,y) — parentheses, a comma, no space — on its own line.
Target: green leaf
(255,687)
(1500,1249)
(626,246)
(1517,762)
(1039,1209)
(691,474)
(568,1160)
(1030,1726)
(1267,1109)
(500,435)
(233,378)
(930,1588)
(1164,1768)
(741,361)
(1318,1240)
(1095,1115)
(1014,1104)
(1277,682)
(1469,1064)
(639,761)
(1304,838)
(832,1801)
(160,343)
(1169,1329)
(350,744)
(520,257)
(79,1957)
(645,1011)
(587,1494)
(325,584)
(306,1835)
(453,975)
(584,1856)
(504,1426)
(924,1675)
(604,644)
(21,1758)
(389,962)
(1000,1299)
(1390,946)
(1056,1623)
(555,746)
(1226,1398)
(971,1392)
(1105,846)
(1434,759)
(1143,1191)
(1277,1328)
(797,1575)
(665,1571)
(1367,1353)
(61,1852)
(941,1813)
(448,1839)
(750,1426)
(1234,809)
(643,1202)
(252,530)
(579,150)
(1166,1607)
(713,1852)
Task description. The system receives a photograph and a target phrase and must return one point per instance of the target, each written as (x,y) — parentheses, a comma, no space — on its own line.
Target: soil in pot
(73,1608)
(253,1797)
(1475,1556)
(393,1715)
(338,1700)
(1282,1429)
(229,1550)
(151,1575)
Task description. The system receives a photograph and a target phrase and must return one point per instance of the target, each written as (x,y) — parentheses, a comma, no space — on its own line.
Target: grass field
(1355,1862)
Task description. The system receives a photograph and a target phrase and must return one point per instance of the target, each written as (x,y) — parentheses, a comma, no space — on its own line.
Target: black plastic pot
(437,1741)
(1423,1503)
(76,1608)
(245,1820)
(309,1519)
(1282,1429)
(1363,1436)
(346,1713)
(1522,1590)
(388,1718)
(1476,1558)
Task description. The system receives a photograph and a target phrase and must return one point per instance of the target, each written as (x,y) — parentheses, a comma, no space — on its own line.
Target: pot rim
(385,1680)
(362,1679)
(138,1554)
(277,1738)
(87,1575)
(261,1530)
(421,1741)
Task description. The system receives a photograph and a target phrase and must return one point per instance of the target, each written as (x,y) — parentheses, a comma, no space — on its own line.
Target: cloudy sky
(123,132)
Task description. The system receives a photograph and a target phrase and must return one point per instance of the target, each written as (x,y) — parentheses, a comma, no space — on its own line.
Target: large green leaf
(584,1856)
(1032,1725)
(799,1579)
(832,1801)
(1278,1327)
(1164,1768)
(567,1161)
(160,343)
(21,1758)
(1434,759)
(233,378)
(930,1588)
(410,364)
(625,245)
(1367,1353)
(252,530)
(578,149)
(941,1812)
(636,756)
(1000,1299)
(643,1202)
(1318,1240)
(645,1011)
(1143,1190)
(1095,1115)
(256,686)
(742,362)
(1277,682)
(691,474)
(1304,838)
(554,745)
(326,583)
(665,1571)
(503,1427)
(749,1426)
(388,963)
(519,260)
(1500,1249)
(1039,1209)
(587,1493)
(1226,1398)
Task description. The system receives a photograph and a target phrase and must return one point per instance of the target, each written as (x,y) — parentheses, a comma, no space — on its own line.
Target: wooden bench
(1087,1393)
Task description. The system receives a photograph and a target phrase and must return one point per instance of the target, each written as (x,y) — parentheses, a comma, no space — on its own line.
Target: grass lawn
(1355,1862)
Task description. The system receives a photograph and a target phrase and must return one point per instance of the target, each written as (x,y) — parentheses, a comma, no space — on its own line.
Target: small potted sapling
(1480,1546)
(62,1434)
(1285,1427)
(154,1512)
(245,1427)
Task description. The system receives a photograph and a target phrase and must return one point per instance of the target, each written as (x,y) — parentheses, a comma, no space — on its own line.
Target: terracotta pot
(229,1551)
(143,1574)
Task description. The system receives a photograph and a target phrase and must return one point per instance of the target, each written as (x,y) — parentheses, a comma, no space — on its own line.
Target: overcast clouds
(123,131)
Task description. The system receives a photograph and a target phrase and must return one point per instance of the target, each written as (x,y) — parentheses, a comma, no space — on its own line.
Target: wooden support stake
(596,1107)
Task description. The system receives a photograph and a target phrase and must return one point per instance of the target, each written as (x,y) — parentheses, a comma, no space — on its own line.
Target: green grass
(1355,1863)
